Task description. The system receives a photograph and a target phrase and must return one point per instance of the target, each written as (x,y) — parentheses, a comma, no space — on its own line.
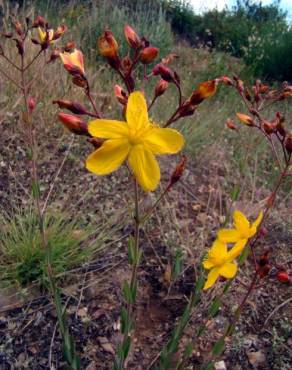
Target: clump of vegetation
(23,259)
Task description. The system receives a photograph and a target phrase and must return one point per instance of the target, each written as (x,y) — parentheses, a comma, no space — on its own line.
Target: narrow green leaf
(131,251)
(230,329)
(214,308)
(218,347)
(235,192)
(29,153)
(244,255)
(208,366)
(126,346)
(127,292)
(200,283)
(36,191)
(201,330)
(124,320)
(134,291)
(177,266)
(188,350)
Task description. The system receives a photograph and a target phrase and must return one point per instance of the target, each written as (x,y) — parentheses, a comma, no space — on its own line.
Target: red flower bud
(73,107)
(178,171)
(120,94)
(268,127)
(283,277)
(132,38)
(160,88)
(18,28)
(31,104)
(187,109)
(59,32)
(54,55)
(74,124)
(166,73)
(226,80)
(148,55)
(288,143)
(39,22)
(20,47)
(230,124)
(96,142)
(70,46)
(263,231)
(244,118)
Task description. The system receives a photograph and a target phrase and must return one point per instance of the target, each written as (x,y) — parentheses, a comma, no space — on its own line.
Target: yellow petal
(108,129)
(164,141)
(228,270)
(241,223)
(145,167)
(108,157)
(42,34)
(212,277)
(208,264)
(218,248)
(255,225)
(236,250)
(74,59)
(137,114)
(229,235)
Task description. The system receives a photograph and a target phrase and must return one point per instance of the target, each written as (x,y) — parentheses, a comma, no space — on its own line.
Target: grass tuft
(22,258)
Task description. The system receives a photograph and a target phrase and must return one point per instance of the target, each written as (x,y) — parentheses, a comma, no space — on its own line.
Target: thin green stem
(136,254)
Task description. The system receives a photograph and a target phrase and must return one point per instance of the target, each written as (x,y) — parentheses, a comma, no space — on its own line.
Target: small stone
(220,365)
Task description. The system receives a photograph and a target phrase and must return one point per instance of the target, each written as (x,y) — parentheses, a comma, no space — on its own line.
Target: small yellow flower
(73,61)
(243,229)
(137,140)
(45,36)
(220,261)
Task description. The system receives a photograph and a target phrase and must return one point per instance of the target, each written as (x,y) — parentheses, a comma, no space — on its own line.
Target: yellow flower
(45,36)
(73,62)
(220,261)
(137,140)
(243,229)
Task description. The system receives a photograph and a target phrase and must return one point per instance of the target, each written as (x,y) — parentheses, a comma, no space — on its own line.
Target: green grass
(22,257)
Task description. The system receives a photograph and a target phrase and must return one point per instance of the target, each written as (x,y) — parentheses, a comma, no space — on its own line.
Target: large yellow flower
(243,229)
(220,261)
(137,140)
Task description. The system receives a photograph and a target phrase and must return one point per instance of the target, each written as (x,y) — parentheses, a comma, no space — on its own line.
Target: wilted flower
(107,45)
(137,140)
